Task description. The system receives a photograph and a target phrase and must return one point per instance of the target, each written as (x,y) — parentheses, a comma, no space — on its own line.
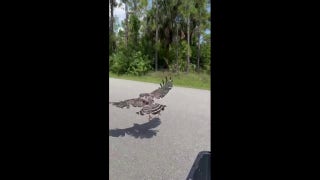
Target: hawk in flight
(146,100)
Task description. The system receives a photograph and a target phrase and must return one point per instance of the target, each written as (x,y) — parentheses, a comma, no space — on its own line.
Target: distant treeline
(166,34)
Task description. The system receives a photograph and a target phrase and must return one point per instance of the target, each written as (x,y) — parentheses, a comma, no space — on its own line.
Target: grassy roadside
(191,80)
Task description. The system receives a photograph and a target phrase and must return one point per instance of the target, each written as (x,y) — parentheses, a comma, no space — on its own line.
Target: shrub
(139,64)
(118,63)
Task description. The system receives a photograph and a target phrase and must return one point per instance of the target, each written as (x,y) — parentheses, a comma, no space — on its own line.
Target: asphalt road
(163,148)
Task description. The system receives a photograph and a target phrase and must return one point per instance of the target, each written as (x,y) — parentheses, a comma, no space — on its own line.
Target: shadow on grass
(138,130)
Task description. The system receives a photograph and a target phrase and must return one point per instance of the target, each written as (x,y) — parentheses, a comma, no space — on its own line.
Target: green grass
(191,80)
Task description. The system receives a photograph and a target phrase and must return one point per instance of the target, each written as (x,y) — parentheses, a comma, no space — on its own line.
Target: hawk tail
(120,104)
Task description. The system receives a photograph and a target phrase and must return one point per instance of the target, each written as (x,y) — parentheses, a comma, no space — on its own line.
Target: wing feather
(163,90)
(137,102)
(146,100)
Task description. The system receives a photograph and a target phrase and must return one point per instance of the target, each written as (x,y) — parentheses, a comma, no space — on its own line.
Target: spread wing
(146,100)
(163,90)
(137,102)
(165,87)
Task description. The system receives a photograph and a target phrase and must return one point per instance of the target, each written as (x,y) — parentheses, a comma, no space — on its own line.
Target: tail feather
(120,104)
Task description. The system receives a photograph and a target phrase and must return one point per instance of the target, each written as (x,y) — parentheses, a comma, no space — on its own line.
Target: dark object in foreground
(201,168)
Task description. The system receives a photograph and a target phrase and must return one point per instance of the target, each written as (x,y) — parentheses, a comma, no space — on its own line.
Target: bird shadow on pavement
(138,130)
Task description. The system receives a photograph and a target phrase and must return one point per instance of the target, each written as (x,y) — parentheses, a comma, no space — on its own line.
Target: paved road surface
(164,148)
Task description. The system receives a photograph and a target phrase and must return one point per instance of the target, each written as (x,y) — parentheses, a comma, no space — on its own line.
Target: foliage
(134,64)
(118,63)
(206,54)
(139,65)
(133,45)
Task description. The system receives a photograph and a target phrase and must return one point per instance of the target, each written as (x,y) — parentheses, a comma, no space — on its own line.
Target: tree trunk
(156,55)
(198,63)
(127,25)
(188,36)
(111,26)
(135,6)
(177,45)
(199,31)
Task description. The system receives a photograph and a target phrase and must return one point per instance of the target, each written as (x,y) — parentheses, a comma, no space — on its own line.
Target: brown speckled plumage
(146,100)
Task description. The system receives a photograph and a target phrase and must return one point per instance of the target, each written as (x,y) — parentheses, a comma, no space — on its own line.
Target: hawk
(146,100)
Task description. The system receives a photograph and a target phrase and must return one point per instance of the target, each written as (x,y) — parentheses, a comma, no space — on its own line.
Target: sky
(119,12)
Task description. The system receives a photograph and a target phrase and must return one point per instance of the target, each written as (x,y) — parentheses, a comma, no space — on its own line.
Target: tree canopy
(164,35)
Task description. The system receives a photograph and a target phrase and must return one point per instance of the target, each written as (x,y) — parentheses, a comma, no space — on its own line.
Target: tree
(112,5)
(186,9)
(170,32)
(201,21)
